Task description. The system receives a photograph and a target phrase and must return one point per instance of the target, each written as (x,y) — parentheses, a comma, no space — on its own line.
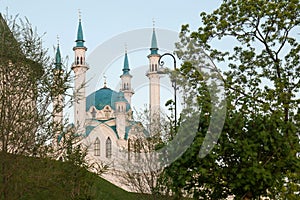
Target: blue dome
(105,96)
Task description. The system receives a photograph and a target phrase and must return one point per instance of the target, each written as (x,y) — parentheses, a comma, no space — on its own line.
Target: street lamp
(174,85)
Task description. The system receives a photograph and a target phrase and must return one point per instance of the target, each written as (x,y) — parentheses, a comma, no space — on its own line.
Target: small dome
(105,96)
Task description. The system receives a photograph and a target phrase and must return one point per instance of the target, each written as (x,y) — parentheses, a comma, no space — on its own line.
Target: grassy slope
(106,190)
(34,178)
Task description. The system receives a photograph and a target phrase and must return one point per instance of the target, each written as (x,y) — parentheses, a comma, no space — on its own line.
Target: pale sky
(104,21)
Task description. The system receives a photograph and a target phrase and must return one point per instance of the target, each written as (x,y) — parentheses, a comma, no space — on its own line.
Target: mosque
(105,116)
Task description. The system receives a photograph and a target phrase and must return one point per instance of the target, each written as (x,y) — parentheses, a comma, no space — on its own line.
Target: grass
(25,178)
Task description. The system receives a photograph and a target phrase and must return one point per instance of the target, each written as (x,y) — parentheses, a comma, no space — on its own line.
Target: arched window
(108,148)
(107,113)
(97,147)
(128,148)
(127,86)
(137,149)
(155,67)
(94,112)
(77,60)
(81,60)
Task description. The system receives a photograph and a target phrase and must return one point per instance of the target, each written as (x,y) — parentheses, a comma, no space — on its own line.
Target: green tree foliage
(28,86)
(258,151)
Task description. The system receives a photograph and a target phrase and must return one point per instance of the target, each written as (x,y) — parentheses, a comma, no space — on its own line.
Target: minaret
(126,80)
(120,114)
(58,98)
(79,67)
(154,81)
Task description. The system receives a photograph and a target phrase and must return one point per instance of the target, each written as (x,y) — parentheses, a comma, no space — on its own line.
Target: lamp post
(161,63)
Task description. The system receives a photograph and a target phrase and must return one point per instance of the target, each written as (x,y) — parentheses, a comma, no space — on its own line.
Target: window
(137,149)
(128,149)
(108,148)
(94,112)
(107,112)
(97,147)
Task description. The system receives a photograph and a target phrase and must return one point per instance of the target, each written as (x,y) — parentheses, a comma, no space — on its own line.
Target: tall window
(108,148)
(137,149)
(107,112)
(94,112)
(97,147)
(128,148)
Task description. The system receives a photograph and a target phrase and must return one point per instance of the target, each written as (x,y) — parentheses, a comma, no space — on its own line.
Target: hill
(25,178)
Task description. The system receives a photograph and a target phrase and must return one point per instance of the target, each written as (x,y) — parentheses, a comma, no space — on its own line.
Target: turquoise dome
(105,96)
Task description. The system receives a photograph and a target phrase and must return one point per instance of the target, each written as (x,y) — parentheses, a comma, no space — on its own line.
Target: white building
(104,117)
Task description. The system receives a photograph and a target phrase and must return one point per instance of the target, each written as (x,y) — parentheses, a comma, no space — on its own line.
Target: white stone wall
(79,67)
(126,87)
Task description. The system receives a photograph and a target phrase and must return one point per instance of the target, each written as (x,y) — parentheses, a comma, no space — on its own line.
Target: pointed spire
(126,63)
(79,41)
(154,47)
(58,62)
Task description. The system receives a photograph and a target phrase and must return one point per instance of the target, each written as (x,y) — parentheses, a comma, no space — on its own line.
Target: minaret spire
(58,98)
(58,62)
(80,67)
(154,47)
(79,41)
(126,79)
(126,68)
(154,84)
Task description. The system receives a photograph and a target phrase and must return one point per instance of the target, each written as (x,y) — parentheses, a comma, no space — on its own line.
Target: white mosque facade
(104,117)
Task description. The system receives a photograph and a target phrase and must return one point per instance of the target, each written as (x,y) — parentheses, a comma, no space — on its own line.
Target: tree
(256,154)
(28,86)
(141,167)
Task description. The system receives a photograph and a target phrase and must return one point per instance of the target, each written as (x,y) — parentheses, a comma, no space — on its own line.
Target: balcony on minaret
(126,87)
(160,70)
(83,65)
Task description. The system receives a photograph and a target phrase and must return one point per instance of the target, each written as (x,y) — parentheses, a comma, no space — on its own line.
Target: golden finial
(104,81)
(57,37)
(79,14)
(153,23)
(125,47)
